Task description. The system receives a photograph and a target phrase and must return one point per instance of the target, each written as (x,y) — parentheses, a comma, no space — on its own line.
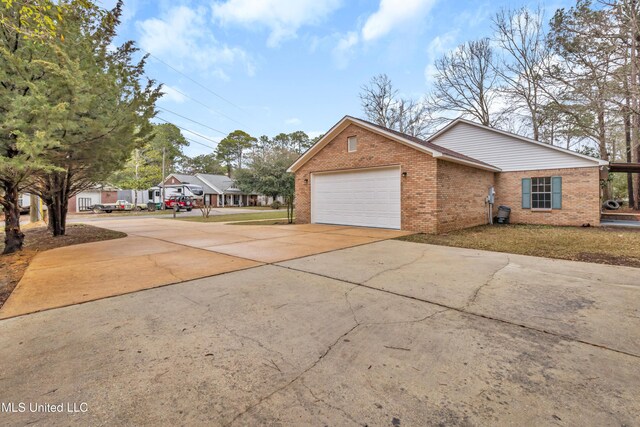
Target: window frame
(535,190)
(349,139)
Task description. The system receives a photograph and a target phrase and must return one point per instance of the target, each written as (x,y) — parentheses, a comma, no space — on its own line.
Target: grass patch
(38,239)
(263,214)
(121,213)
(257,208)
(263,222)
(604,245)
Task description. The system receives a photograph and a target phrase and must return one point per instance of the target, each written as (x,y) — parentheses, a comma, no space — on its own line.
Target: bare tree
(626,15)
(520,34)
(382,105)
(377,99)
(466,82)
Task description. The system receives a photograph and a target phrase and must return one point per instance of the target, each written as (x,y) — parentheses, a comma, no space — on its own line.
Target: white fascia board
(467,163)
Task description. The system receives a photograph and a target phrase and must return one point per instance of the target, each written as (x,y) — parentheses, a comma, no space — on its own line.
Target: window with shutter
(556,192)
(541,193)
(526,193)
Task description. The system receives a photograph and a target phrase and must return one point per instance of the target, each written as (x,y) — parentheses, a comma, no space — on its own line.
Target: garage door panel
(369,198)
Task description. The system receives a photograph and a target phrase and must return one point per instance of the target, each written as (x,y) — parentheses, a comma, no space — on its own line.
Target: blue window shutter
(526,193)
(556,192)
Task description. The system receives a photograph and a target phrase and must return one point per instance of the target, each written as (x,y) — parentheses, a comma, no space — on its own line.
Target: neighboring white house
(219,190)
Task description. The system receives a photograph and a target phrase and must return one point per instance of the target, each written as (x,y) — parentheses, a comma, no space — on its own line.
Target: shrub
(276,205)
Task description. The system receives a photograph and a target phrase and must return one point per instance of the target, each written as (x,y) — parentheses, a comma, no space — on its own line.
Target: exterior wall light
(404,174)
(306,180)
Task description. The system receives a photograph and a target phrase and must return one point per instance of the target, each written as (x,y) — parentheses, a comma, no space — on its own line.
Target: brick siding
(439,196)
(580,197)
(72,206)
(462,194)
(109,197)
(418,188)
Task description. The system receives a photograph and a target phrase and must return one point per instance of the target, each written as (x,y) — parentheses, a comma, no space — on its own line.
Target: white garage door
(367,198)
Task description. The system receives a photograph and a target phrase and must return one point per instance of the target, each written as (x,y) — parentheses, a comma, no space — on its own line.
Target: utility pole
(135,197)
(34,212)
(164,150)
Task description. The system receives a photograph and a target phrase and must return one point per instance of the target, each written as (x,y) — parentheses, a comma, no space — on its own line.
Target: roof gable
(413,142)
(193,179)
(509,152)
(221,183)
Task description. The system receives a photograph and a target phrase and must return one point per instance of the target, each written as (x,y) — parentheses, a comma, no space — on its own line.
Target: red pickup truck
(182,202)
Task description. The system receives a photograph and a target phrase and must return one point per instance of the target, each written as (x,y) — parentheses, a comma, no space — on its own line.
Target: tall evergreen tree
(27,111)
(107,107)
(232,149)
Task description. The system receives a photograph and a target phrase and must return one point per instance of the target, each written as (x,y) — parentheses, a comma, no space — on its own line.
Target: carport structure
(627,219)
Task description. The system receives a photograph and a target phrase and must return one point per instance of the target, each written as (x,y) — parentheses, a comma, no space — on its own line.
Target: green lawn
(260,208)
(603,245)
(259,215)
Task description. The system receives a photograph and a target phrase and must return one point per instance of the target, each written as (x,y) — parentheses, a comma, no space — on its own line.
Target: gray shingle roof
(221,182)
(211,184)
(192,179)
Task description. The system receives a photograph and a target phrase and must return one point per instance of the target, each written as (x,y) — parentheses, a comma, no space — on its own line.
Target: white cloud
(171,94)
(436,48)
(293,121)
(344,49)
(442,43)
(282,17)
(393,14)
(183,35)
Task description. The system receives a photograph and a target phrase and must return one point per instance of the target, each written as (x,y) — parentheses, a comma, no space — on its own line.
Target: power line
(213,110)
(199,143)
(193,121)
(188,130)
(194,81)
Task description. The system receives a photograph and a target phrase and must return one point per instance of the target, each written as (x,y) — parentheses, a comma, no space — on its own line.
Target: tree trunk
(634,184)
(34,212)
(602,139)
(14,237)
(56,197)
(289,200)
(627,136)
(627,140)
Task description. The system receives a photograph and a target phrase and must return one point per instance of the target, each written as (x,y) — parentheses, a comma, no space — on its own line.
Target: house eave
(346,120)
(467,163)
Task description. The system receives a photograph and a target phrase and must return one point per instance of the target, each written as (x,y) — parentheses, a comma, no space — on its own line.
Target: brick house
(363,174)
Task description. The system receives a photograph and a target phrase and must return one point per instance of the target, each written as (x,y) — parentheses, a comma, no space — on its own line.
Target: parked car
(119,205)
(179,202)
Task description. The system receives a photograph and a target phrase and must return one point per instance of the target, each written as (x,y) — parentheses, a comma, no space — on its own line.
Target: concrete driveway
(388,333)
(158,252)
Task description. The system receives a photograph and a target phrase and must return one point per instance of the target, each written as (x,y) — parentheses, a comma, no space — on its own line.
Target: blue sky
(272,66)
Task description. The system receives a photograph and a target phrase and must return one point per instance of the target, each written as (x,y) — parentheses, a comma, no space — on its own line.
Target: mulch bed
(39,239)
